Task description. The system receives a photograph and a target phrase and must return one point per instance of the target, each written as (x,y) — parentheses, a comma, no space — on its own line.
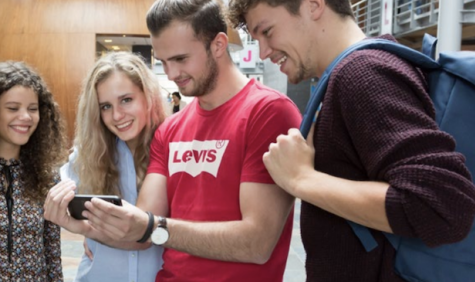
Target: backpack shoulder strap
(415,57)
(429,45)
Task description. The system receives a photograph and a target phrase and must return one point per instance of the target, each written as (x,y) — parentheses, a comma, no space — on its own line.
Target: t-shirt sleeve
(158,153)
(271,119)
(389,118)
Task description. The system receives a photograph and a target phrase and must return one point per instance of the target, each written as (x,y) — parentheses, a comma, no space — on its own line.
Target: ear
(219,45)
(315,8)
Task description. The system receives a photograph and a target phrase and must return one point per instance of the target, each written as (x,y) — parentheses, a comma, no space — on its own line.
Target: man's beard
(207,83)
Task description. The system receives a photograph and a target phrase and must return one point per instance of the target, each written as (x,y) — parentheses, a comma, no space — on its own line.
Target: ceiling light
(116,47)
(107,40)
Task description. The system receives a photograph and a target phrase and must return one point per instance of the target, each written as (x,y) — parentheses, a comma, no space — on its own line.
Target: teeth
(120,126)
(21,128)
(281,61)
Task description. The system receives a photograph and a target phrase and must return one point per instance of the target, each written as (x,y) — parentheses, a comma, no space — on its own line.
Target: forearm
(362,202)
(236,241)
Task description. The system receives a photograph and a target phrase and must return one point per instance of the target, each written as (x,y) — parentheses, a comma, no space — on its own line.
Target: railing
(368,16)
(408,15)
(411,15)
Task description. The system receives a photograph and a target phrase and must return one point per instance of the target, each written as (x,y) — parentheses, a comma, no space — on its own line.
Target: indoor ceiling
(122,42)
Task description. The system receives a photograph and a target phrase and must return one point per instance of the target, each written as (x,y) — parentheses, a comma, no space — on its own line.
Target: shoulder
(364,65)
(260,96)
(376,72)
(175,119)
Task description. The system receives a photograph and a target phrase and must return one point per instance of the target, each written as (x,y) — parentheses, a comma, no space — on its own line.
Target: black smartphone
(76,206)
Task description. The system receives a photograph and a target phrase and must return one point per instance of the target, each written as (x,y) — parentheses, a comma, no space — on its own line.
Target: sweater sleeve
(390,120)
(52,242)
(52,245)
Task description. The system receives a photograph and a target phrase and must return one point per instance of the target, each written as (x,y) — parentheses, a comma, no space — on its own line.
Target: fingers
(102,217)
(57,200)
(118,223)
(87,251)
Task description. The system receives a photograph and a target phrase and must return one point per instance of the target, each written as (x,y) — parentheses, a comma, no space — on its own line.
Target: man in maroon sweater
(375,156)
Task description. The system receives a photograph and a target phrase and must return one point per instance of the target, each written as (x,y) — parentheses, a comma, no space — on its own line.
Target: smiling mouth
(124,125)
(282,60)
(20,128)
(181,83)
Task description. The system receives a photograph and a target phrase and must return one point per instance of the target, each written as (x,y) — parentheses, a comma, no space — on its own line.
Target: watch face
(160,236)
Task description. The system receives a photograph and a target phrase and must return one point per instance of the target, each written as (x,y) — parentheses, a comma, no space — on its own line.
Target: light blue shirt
(111,264)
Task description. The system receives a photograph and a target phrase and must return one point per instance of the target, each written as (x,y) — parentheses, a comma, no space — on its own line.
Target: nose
(25,115)
(172,72)
(264,50)
(117,114)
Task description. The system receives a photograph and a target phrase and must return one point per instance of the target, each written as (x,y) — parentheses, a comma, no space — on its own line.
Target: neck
(346,32)
(132,144)
(229,82)
(9,151)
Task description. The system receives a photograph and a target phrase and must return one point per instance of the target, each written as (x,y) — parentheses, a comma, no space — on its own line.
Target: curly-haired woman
(119,109)
(31,142)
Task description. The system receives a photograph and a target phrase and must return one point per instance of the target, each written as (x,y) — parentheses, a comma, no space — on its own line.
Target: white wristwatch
(160,235)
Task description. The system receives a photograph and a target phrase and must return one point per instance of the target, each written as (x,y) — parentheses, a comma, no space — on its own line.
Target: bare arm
(265,209)
(290,163)
(56,205)
(123,226)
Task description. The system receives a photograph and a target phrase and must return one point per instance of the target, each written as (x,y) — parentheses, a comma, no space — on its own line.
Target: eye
(126,100)
(12,109)
(105,107)
(180,59)
(35,109)
(266,32)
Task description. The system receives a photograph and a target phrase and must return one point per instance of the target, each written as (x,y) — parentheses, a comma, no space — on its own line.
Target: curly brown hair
(239,8)
(45,150)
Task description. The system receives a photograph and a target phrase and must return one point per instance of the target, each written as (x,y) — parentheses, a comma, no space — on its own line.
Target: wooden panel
(58,16)
(14,16)
(76,68)
(13,47)
(121,17)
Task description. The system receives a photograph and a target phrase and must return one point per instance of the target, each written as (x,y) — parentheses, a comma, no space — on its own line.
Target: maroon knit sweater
(377,123)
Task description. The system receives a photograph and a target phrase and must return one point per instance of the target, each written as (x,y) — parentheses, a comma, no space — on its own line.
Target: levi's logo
(196,157)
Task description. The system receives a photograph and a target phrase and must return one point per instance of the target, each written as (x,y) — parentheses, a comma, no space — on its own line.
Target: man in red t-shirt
(218,212)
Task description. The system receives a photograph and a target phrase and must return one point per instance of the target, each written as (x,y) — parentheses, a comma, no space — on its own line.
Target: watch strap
(162,221)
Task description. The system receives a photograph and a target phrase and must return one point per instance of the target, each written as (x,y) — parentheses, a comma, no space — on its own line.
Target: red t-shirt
(206,155)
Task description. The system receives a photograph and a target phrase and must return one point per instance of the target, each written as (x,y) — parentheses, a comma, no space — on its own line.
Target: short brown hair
(239,8)
(204,16)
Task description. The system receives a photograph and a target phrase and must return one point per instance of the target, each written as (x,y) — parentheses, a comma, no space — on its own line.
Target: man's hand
(290,158)
(56,208)
(120,223)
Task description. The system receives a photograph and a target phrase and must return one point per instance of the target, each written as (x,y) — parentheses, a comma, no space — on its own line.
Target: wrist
(160,234)
(149,228)
(305,178)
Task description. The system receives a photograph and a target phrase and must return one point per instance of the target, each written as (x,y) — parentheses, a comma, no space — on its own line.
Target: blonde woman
(119,109)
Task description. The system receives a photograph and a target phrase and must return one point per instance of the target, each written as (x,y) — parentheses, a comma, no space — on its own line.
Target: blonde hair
(96,162)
